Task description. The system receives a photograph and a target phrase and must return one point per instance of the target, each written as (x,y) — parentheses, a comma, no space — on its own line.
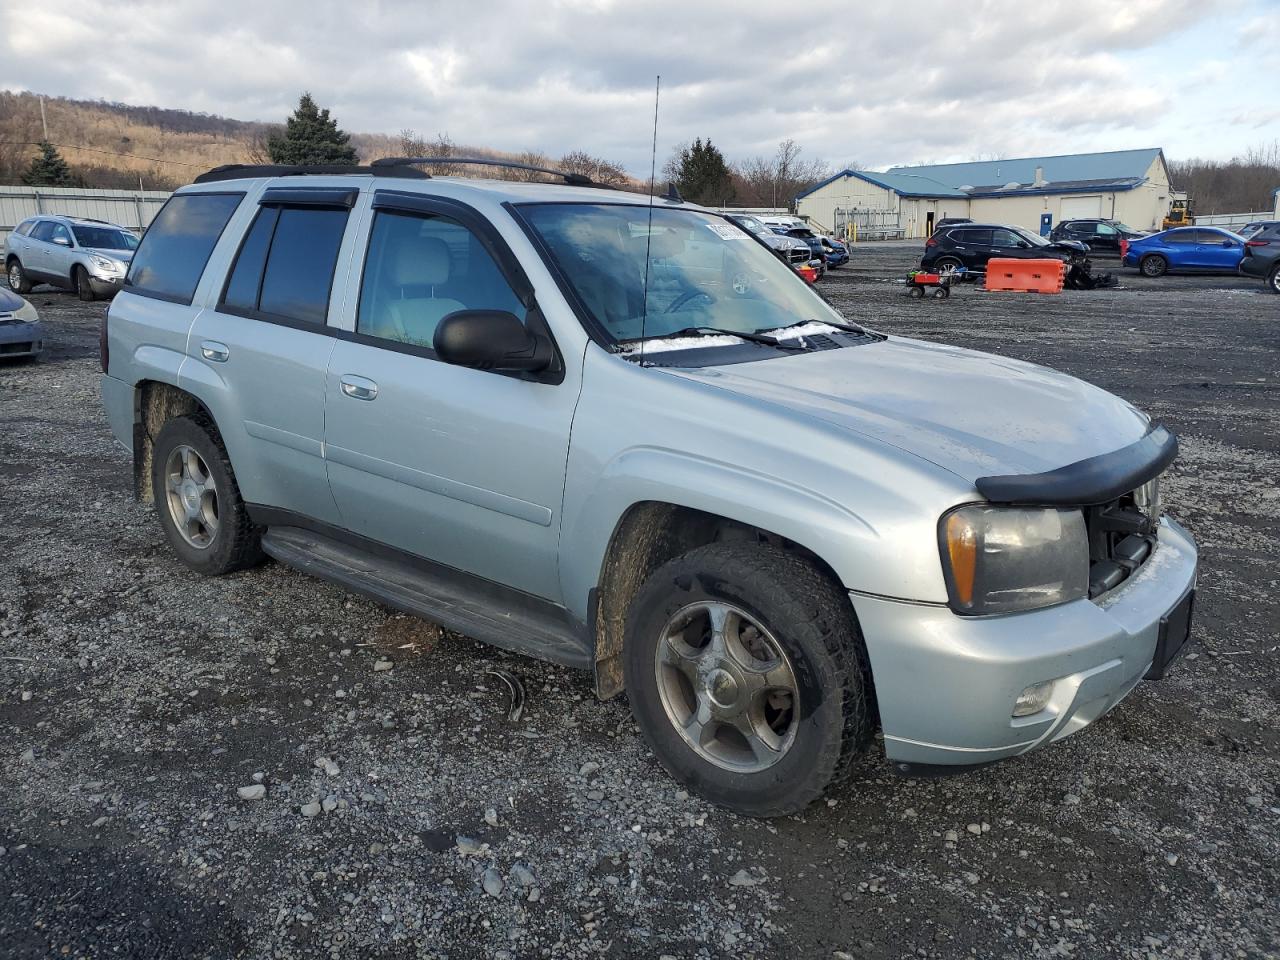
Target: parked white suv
(90,257)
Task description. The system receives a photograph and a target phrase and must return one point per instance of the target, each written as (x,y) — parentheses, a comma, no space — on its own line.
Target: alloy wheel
(15,277)
(192,496)
(727,686)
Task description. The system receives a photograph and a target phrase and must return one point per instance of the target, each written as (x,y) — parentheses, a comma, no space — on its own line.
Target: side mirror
(1228,243)
(1023,245)
(491,340)
(62,241)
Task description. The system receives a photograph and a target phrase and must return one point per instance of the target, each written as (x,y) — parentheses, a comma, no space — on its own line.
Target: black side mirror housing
(491,340)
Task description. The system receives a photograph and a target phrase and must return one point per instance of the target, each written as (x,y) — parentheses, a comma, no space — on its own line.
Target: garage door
(1076,208)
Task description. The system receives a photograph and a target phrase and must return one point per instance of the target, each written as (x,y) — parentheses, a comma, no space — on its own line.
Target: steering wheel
(687,296)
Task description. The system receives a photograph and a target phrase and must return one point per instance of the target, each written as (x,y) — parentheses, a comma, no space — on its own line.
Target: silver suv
(90,257)
(620,434)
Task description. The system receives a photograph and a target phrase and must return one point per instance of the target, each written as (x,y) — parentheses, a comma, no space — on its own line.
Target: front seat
(418,263)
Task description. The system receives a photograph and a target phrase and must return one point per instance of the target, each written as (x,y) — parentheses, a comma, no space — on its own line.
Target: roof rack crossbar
(239,171)
(573,179)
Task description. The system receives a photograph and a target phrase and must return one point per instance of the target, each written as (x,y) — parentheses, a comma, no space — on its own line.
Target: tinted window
(420,269)
(246,274)
(979,238)
(1081,228)
(1005,238)
(177,245)
(106,238)
(1106,230)
(43,231)
(300,265)
(1180,236)
(1213,236)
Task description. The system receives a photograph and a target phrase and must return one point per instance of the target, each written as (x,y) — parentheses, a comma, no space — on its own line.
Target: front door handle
(215,351)
(359,388)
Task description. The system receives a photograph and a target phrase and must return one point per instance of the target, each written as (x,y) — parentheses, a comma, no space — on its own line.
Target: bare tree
(1243,184)
(597,168)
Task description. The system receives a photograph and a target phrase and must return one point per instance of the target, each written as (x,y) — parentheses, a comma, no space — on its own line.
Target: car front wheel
(1154,265)
(84,290)
(1273,279)
(748,676)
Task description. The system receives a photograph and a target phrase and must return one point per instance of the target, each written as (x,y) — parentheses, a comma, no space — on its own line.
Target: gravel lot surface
(403,815)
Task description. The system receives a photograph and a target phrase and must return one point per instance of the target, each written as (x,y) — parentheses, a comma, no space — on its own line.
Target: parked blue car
(1200,249)
(837,253)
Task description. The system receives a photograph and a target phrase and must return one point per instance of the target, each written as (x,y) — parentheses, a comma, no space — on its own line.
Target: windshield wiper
(846,327)
(752,336)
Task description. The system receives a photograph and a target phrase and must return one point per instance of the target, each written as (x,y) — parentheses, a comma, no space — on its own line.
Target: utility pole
(43,122)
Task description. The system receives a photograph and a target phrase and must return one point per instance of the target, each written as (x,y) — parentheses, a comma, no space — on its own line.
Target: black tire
(23,284)
(1273,279)
(1153,265)
(812,621)
(943,264)
(80,283)
(237,543)
(915,291)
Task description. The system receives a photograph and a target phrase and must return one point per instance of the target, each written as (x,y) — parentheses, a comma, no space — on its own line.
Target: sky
(866,83)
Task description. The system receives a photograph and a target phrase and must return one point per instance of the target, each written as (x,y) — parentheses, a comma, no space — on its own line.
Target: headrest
(419,260)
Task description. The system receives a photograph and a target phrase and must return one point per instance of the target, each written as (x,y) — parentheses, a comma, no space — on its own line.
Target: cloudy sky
(851,81)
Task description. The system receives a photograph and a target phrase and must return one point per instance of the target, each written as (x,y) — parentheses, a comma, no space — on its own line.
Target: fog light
(1033,699)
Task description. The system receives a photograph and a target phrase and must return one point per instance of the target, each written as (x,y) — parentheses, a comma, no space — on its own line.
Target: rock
(26,695)
(522,876)
(744,879)
(534,895)
(382,666)
(1254,801)
(595,794)
(588,768)
(468,846)
(100,822)
(975,829)
(255,792)
(329,804)
(1171,859)
(310,810)
(841,955)
(258,777)
(970,878)
(951,836)
(1071,800)
(491,817)
(29,755)
(328,766)
(492,883)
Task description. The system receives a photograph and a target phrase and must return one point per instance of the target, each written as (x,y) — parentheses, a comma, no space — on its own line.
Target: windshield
(752,224)
(702,271)
(1033,238)
(105,238)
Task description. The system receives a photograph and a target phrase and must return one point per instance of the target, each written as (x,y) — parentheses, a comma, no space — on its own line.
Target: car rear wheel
(944,265)
(747,674)
(1154,265)
(1273,279)
(80,280)
(17,277)
(198,501)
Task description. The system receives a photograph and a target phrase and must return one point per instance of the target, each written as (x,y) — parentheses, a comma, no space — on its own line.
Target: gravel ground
(403,815)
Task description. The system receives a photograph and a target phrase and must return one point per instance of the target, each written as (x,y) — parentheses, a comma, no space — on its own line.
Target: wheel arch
(155,402)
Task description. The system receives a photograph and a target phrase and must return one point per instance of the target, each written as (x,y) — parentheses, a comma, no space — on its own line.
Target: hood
(124,256)
(1078,246)
(972,413)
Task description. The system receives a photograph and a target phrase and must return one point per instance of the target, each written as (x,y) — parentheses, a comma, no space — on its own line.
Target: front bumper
(1255,267)
(106,286)
(19,339)
(946,684)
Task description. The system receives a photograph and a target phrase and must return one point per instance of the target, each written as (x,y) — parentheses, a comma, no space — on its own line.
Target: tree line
(1240,185)
(702,174)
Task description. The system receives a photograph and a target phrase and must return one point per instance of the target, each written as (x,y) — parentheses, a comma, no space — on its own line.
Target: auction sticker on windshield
(726,231)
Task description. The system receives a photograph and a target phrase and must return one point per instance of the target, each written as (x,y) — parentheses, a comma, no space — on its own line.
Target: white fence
(1231,221)
(128,208)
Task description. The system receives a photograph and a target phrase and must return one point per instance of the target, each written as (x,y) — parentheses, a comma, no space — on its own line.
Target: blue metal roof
(1116,170)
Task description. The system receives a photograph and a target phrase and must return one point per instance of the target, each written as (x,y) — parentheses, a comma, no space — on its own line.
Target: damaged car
(971,245)
(624,437)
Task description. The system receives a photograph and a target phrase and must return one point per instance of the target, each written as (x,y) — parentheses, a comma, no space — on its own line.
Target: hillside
(115,145)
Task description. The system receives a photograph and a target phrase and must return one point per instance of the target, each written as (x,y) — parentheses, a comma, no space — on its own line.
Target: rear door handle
(215,351)
(359,388)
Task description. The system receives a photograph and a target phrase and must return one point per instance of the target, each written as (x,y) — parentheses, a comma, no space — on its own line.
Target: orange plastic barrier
(1025,276)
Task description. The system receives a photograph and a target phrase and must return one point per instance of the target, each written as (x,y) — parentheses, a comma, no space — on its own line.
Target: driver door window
(418,270)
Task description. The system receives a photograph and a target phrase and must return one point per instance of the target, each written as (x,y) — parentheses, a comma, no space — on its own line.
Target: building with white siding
(1127,185)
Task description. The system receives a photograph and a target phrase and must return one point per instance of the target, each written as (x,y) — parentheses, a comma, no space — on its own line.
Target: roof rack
(238,171)
(573,179)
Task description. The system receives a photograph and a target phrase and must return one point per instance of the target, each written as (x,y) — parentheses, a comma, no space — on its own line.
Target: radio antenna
(648,237)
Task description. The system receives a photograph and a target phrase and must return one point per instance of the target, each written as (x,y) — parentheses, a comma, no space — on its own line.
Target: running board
(457,601)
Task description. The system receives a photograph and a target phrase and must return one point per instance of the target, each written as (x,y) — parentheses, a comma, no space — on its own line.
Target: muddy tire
(748,676)
(16,277)
(198,502)
(1154,265)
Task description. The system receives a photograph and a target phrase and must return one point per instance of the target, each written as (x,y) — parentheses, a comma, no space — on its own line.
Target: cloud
(854,81)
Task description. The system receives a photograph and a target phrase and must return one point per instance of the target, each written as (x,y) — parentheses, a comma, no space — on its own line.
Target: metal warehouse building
(1127,185)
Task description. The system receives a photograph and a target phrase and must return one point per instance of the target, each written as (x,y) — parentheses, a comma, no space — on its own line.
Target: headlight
(102,263)
(27,312)
(1005,559)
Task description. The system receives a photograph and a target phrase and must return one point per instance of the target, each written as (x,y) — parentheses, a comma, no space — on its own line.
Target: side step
(457,601)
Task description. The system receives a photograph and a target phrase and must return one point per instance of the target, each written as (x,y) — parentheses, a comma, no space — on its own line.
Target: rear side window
(25,228)
(43,231)
(284,270)
(177,245)
(980,238)
(1180,236)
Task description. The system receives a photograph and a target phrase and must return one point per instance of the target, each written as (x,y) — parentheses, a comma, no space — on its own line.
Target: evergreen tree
(702,175)
(311,136)
(49,169)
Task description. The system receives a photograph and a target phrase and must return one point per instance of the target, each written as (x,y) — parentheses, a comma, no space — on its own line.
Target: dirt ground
(136,699)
